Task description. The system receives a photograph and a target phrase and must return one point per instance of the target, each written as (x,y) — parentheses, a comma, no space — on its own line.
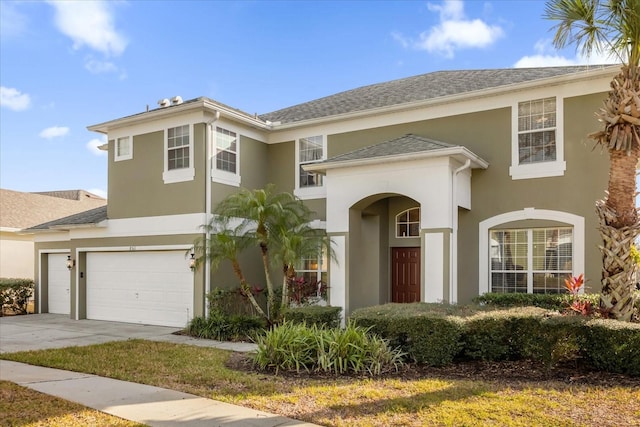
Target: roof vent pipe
(163,103)
(176,100)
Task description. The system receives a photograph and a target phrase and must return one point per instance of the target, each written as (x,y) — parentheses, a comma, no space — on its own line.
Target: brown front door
(405,274)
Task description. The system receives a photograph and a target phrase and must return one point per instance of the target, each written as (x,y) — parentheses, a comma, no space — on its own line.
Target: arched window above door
(408,223)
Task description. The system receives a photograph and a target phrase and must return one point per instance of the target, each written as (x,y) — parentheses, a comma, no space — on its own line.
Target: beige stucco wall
(16,255)
(488,134)
(136,187)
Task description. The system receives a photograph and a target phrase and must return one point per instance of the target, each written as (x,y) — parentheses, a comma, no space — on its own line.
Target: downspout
(207,205)
(453,254)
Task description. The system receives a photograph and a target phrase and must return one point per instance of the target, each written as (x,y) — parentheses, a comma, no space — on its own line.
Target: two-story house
(437,187)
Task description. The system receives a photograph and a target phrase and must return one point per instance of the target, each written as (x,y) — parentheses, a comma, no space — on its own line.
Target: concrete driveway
(42,331)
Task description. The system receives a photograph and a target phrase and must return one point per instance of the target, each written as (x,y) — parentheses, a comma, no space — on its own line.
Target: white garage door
(153,288)
(59,279)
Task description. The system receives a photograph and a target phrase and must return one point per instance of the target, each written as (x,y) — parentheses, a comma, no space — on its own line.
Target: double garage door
(148,287)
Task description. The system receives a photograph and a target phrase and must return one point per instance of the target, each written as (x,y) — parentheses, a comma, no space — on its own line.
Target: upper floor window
(530,260)
(310,150)
(226,150)
(537,131)
(226,168)
(178,147)
(123,149)
(408,223)
(178,155)
(537,148)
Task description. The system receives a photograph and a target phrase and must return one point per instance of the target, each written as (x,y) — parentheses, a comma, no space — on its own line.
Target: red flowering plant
(303,291)
(577,305)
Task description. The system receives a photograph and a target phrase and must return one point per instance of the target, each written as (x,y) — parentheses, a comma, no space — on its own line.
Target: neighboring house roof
(19,210)
(417,88)
(86,218)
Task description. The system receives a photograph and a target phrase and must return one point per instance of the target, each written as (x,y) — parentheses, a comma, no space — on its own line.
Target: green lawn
(20,406)
(387,401)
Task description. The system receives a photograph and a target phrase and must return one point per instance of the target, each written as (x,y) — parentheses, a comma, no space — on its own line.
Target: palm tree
(612,26)
(276,222)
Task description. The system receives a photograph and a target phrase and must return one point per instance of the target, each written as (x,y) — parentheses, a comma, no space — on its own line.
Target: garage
(58,280)
(148,287)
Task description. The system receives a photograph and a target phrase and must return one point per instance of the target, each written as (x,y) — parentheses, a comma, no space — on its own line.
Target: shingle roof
(69,194)
(92,216)
(407,144)
(22,210)
(416,88)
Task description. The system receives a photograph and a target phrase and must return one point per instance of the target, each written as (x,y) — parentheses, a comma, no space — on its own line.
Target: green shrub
(297,347)
(548,301)
(427,333)
(226,328)
(288,347)
(326,317)
(487,336)
(15,294)
(613,346)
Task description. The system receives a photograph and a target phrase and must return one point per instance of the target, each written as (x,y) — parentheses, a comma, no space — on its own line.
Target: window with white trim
(123,149)
(408,223)
(178,147)
(310,150)
(178,154)
(535,260)
(537,147)
(311,279)
(226,164)
(226,150)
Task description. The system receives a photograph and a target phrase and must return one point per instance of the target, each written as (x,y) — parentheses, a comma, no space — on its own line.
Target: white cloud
(90,23)
(93,145)
(54,132)
(13,99)
(98,67)
(455,31)
(98,192)
(546,56)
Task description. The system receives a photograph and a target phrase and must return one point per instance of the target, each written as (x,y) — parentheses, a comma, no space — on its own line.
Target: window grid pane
(536,131)
(408,223)
(551,254)
(178,147)
(310,151)
(226,150)
(123,148)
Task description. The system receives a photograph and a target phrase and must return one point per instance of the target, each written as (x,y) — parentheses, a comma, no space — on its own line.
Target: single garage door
(150,287)
(59,280)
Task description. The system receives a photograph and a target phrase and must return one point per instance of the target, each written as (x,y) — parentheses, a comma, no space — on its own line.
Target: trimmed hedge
(320,316)
(547,301)
(436,334)
(427,333)
(15,294)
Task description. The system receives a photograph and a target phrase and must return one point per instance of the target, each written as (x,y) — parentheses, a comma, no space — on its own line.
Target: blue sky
(67,65)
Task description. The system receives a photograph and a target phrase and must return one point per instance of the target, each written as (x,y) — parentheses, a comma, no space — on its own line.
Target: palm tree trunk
(617,213)
(267,278)
(246,289)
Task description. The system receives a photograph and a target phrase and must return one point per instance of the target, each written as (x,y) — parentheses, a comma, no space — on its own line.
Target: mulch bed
(512,372)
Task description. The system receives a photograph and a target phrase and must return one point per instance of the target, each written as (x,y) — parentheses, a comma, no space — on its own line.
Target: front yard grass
(20,406)
(411,399)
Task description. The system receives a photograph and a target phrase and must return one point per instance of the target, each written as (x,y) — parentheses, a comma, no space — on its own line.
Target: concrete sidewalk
(149,405)
(145,404)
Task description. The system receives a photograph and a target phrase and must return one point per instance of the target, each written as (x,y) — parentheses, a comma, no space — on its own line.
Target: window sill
(538,170)
(178,175)
(226,178)
(125,157)
(307,193)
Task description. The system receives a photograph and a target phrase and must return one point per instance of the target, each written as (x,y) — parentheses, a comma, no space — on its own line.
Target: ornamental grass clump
(300,348)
